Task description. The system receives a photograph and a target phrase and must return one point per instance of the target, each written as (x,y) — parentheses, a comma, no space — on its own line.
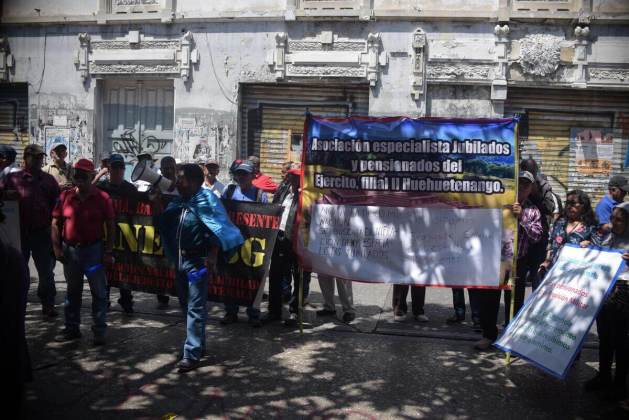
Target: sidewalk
(373,368)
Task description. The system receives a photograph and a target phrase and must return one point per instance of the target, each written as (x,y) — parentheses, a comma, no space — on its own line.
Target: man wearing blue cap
(119,189)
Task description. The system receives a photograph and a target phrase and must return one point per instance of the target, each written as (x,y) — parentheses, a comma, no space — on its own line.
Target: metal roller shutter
(14,116)
(273,116)
(548,117)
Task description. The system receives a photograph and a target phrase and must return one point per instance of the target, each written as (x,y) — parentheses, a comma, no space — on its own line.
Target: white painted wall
(454,5)
(255,7)
(26,8)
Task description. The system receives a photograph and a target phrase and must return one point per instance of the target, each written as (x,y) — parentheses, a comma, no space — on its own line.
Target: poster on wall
(593,150)
(54,136)
(549,330)
(414,201)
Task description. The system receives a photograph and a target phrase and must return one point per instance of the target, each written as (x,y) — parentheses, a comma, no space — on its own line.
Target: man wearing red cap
(37,193)
(77,239)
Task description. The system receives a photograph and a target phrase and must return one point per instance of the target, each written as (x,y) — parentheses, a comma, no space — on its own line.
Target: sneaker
(597,383)
(399,317)
(68,334)
(483,344)
(454,319)
(326,312)
(99,340)
(186,365)
(421,318)
(349,317)
(255,322)
(229,319)
(49,311)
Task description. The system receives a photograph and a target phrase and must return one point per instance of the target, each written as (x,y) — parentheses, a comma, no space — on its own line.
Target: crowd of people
(63,208)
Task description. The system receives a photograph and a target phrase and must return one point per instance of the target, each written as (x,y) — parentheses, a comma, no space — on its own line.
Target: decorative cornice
(327,55)
(136,55)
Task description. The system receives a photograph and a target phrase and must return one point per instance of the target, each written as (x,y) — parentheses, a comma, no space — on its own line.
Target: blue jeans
(39,245)
(193,301)
(79,262)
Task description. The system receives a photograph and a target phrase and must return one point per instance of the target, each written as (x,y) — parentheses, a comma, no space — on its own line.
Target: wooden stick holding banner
(513,278)
(300,310)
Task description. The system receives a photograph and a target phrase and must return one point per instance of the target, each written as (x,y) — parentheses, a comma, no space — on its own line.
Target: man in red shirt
(37,192)
(264,182)
(77,240)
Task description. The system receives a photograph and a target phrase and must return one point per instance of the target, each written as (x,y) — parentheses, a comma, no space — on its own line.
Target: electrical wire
(43,70)
(220,86)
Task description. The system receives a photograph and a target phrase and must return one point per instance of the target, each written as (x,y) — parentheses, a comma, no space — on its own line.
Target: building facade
(224,79)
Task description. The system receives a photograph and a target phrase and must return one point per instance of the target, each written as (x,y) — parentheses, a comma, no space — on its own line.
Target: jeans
(39,245)
(193,301)
(79,262)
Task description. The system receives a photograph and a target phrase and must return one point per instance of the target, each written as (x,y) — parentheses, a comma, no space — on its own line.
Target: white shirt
(217,188)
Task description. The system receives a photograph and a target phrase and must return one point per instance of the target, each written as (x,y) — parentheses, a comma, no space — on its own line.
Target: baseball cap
(115,158)
(84,165)
(58,145)
(527,176)
(619,181)
(34,149)
(211,163)
(144,156)
(245,166)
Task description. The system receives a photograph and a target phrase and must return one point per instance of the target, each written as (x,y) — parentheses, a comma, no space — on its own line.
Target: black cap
(619,181)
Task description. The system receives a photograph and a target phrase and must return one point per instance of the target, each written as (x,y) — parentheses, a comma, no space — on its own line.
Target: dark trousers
(38,244)
(458,301)
(163,298)
(284,268)
(613,327)
(489,305)
(418,297)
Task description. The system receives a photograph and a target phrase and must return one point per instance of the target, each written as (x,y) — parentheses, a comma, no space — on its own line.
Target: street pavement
(372,368)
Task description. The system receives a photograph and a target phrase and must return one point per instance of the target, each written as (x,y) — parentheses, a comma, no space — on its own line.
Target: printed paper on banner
(401,244)
(549,330)
(416,201)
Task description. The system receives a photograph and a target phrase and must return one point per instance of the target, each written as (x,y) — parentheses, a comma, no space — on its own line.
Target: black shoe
(349,317)
(126,307)
(68,334)
(271,317)
(291,321)
(49,311)
(162,306)
(326,312)
(229,319)
(616,393)
(454,319)
(99,340)
(186,365)
(255,322)
(597,383)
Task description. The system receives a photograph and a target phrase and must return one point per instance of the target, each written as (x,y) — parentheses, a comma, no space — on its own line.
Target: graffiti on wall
(203,135)
(129,146)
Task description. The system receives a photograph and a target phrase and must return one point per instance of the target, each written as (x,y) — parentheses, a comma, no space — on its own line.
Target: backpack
(232,187)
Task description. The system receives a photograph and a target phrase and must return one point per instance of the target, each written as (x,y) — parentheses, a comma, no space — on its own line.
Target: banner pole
(300,310)
(513,278)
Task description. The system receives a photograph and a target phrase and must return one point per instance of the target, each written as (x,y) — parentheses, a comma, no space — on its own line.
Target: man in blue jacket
(193,227)
(616,191)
